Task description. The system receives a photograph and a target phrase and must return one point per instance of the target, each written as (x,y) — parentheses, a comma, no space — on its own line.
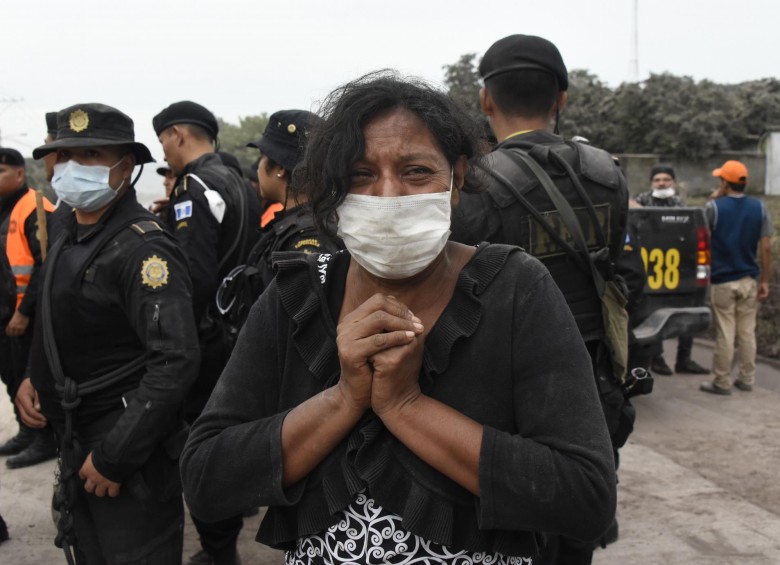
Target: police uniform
(13,369)
(498,216)
(209,214)
(212,244)
(291,229)
(19,232)
(115,352)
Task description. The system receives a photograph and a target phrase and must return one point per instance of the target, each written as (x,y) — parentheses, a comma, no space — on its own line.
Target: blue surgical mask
(84,187)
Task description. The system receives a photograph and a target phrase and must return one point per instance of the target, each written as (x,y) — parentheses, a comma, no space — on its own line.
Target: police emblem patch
(154,272)
(183,210)
(79,120)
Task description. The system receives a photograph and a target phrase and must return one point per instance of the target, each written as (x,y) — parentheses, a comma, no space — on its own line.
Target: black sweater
(505,352)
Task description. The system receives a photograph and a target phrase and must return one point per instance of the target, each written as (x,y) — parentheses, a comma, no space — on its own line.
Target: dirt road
(698,483)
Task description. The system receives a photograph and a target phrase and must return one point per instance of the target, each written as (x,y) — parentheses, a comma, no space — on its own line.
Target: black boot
(19,442)
(690,367)
(659,366)
(42,448)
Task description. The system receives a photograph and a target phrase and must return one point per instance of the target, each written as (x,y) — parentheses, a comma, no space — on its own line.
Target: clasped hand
(380,347)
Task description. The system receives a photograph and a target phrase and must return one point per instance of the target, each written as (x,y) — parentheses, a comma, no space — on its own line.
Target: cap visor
(140,150)
(716,172)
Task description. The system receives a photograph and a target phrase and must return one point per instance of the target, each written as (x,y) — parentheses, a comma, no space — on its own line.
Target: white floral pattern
(366,534)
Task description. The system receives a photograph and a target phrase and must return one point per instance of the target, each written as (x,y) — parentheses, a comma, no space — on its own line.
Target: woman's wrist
(343,402)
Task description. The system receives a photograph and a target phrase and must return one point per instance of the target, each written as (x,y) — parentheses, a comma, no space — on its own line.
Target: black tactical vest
(505,220)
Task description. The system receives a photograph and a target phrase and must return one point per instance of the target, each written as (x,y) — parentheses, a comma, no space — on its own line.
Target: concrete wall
(694,178)
(773,163)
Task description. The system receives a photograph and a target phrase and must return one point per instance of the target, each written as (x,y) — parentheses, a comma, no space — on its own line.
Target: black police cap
(186,112)
(284,138)
(11,157)
(94,125)
(51,123)
(517,52)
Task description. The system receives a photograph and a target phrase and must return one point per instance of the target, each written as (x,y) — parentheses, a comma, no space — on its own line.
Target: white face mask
(395,237)
(84,187)
(663,192)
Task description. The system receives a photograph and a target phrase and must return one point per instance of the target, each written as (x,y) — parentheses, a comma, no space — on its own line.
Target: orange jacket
(16,247)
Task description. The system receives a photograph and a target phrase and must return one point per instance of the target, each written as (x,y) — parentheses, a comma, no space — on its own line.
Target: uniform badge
(154,272)
(183,210)
(307,243)
(79,120)
(291,128)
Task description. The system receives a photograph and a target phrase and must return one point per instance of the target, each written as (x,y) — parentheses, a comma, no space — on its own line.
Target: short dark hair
(529,93)
(335,144)
(736,186)
(198,131)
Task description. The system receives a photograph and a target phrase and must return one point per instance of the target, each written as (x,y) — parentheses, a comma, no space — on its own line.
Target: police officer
(525,89)
(20,209)
(209,216)
(292,229)
(115,350)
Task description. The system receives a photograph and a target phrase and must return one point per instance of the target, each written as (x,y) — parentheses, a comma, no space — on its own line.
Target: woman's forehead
(400,130)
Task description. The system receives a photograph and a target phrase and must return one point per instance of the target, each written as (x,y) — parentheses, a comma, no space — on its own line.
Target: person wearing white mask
(663,193)
(408,385)
(114,352)
(663,189)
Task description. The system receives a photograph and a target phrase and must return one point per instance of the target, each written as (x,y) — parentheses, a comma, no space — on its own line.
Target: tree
(757,110)
(666,114)
(233,138)
(462,81)
(590,109)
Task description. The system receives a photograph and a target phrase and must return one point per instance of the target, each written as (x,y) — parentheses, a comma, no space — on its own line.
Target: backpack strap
(614,316)
(504,163)
(214,198)
(564,208)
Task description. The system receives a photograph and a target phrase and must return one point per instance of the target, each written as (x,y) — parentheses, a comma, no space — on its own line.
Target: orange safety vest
(16,247)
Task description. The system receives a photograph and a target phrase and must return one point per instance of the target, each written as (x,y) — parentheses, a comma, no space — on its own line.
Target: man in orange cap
(740,227)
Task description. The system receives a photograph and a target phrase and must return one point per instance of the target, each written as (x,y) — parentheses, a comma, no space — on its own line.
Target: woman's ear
(458,179)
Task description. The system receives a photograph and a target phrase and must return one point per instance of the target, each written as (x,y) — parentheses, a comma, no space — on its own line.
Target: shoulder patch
(154,272)
(145,227)
(311,242)
(183,210)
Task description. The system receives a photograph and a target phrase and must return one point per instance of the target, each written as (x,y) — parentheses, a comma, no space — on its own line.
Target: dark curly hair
(335,144)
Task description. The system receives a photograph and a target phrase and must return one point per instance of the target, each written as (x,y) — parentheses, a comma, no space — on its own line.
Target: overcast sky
(244,57)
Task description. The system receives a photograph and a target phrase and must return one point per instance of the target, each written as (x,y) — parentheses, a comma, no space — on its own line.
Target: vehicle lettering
(675,219)
(662,268)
